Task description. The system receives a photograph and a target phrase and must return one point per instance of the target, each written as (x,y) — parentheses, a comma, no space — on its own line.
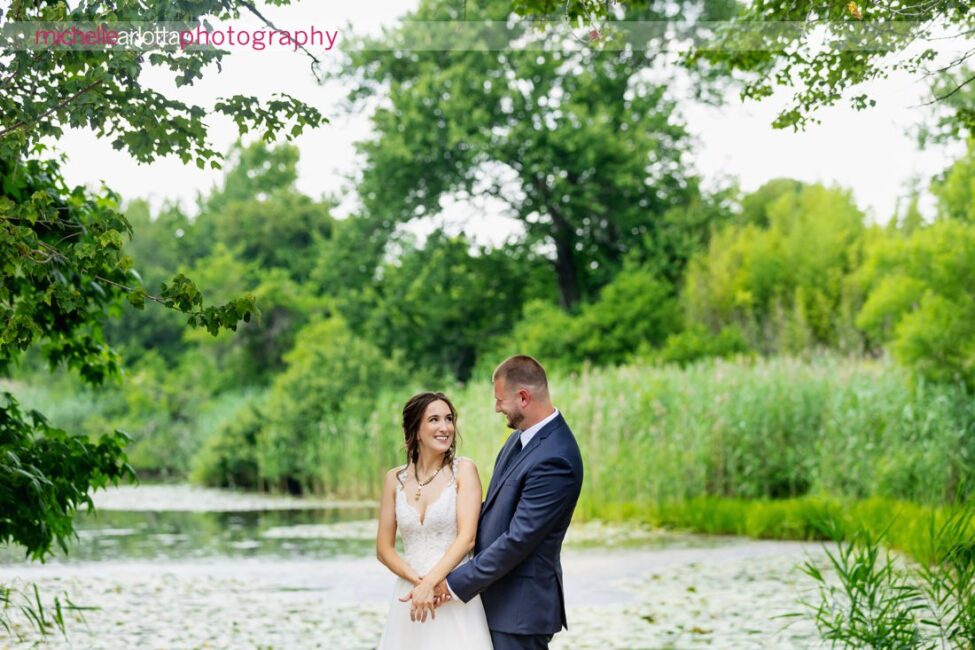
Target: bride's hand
(424,601)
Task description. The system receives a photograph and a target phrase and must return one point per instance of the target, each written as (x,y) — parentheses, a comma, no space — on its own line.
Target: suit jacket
(516,567)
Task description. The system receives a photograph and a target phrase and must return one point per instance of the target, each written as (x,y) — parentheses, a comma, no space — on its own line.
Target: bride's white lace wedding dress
(458,624)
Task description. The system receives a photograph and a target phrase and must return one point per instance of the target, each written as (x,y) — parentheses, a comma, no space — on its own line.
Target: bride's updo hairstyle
(413,416)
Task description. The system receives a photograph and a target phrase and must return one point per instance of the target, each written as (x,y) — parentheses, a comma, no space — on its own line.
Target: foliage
(48,90)
(258,214)
(947,576)
(875,606)
(880,601)
(158,247)
(27,601)
(782,285)
(856,44)
(755,205)
(255,172)
(437,304)
(920,299)
(770,45)
(953,117)
(46,476)
(698,343)
(62,268)
(680,233)
(955,191)
(820,52)
(544,331)
(255,352)
(538,131)
(655,435)
(634,312)
(329,370)
(229,456)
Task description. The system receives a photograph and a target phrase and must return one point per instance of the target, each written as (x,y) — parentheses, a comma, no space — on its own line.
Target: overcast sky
(870,152)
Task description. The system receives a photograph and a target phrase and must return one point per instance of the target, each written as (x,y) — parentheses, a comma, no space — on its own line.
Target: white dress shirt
(530,432)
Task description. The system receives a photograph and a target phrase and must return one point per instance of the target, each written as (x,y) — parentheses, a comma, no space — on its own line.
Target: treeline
(352,309)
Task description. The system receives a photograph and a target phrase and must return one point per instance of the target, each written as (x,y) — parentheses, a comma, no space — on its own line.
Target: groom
(534,488)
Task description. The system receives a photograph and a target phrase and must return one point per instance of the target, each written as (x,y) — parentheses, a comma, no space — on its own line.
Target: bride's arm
(468,510)
(386,536)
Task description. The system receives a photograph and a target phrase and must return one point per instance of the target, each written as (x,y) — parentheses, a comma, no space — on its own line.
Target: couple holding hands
(480,575)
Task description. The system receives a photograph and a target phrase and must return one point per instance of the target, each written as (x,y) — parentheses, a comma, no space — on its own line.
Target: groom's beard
(515,420)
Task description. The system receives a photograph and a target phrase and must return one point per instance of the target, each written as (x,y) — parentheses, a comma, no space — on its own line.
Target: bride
(434,500)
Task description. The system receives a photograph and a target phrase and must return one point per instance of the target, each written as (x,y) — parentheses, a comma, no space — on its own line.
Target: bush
(634,312)
(921,299)
(698,343)
(783,284)
(328,371)
(229,456)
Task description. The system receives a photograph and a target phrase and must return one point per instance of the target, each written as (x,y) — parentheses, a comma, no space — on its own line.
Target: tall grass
(665,443)
(767,429)
(712,439)
(739,430)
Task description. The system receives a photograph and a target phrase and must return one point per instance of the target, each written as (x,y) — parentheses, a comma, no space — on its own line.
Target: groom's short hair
(522,370)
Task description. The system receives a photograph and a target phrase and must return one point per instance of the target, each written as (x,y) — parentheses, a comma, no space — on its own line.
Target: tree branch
(129,289)
(949,94)
(315,66)
(58,107)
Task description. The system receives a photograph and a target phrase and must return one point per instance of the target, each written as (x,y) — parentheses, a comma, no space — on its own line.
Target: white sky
(869,152)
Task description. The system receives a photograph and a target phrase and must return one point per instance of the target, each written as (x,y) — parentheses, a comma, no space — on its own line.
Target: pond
(184,567)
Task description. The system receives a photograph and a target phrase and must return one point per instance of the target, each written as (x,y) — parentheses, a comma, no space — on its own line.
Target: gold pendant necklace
(420,485)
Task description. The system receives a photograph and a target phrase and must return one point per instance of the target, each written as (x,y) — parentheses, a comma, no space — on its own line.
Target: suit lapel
(536,440)
(503,459)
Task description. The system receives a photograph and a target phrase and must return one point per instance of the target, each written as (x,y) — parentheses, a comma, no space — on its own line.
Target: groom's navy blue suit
(516,567)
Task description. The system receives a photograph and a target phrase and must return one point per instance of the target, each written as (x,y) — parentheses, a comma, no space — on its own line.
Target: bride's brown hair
(412,415)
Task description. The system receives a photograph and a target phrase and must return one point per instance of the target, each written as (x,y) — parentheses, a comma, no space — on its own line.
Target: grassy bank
(904,525)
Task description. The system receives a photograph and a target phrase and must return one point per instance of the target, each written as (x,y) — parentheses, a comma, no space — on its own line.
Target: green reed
(869,597)
(739,430)
(769,429)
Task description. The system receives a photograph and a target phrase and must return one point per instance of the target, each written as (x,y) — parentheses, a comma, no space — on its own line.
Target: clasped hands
(426,597)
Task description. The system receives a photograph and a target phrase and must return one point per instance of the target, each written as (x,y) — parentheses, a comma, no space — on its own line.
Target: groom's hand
(440,593)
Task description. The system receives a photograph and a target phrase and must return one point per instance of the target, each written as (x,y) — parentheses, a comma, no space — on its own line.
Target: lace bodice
(425,543)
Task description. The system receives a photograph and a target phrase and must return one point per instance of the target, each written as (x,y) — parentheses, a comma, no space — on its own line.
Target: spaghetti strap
(401,477)
(453,471)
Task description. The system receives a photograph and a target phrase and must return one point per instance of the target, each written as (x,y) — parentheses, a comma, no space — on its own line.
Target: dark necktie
(511,457)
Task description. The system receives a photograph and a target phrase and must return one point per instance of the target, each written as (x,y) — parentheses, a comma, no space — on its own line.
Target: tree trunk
(565,262)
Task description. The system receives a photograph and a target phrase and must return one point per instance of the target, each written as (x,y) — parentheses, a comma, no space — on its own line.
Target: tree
(820,51)
(437,304)
(633,313)
(259,214)
(755,205)
(62,268)
(159,248)
(955,190)
(784,284)
(330,369)
(921,299)
(580,147)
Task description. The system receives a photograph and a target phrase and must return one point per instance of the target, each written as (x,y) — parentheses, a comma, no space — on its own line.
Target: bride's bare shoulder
(466,465)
